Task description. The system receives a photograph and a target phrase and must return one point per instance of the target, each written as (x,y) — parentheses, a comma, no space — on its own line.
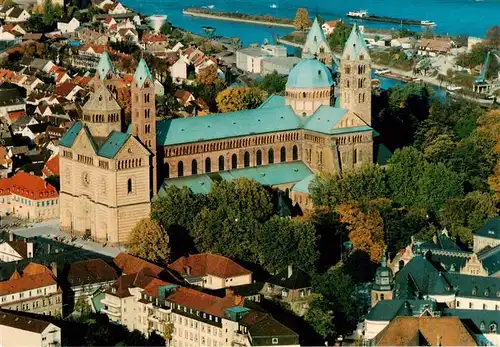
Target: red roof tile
(52,167)
(14,115)
(131,265)
(29,186)
(208,264)
(36,269)
(33,277)
(65,88)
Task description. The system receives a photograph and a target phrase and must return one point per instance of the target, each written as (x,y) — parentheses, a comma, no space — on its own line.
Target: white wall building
(17,330)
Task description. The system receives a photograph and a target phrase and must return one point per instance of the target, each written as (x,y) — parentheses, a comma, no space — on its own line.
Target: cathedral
(110,173)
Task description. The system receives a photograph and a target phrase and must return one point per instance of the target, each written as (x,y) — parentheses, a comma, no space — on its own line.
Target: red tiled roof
(204,302)
(8,27)
(4,159)
(91,271)
(99,49)
(14,115)
(332,23)
(26,282)
(65,88)
(52,167)
(208,264)
(36,269)
(29,186)
(153,286)
(16,275)
(155,38)
(184,95)
(129,264)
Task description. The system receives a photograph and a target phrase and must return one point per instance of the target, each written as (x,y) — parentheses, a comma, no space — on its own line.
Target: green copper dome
(310,73)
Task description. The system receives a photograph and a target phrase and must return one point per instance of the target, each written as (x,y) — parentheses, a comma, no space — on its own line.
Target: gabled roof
(17,321)
(20,246)
(29,186)
(113,144)
(298,279)
(387,310)
(142,73)
(102,100)
(69,138)
(434,331)
(90,272)
(52,166)
(208,264)
(129,264)
(105,66)
(491,229)
(26,282)
(355,46)
(315,39)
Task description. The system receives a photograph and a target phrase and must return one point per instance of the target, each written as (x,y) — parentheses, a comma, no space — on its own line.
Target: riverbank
(233,17)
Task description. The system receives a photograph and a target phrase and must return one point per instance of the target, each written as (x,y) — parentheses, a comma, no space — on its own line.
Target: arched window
(259,157)
(221,163)
(208,165)
(355,156)
(246,159)
(180,169)
(194,167)
(493,328)
(295,153)
(129,186)
(234,161)
(270,156)
(167,170)
(283,154)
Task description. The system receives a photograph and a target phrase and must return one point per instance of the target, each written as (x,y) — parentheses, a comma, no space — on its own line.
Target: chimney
(11,236)
(290,271)
(29,249)
(53,267)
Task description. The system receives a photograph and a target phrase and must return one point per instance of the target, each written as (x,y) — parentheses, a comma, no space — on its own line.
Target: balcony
(111,311)
(111,303)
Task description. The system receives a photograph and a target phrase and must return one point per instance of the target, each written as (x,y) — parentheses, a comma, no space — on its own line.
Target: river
(472,17)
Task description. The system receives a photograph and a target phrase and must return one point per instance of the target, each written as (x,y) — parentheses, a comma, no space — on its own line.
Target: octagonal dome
(310,73)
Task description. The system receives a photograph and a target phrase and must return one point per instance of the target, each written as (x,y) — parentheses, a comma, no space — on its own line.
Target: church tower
(102,113)
(316,45)
(383,288)
(144,114)
(355,77)
(106,74)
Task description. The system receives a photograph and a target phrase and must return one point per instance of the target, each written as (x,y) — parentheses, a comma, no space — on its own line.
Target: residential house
(35,291)
(117,8)
(425,331)
(404,42)
(102,3)
(51,167)
(36,37)
(435,46)
(11,35)
(52,113)
(211,271)
(89,36)
(18,330)
(68,90)
(489,235)
(484,324)
(329,27)
(69,27)
(178,70)
(33,131)
(126,35)
(17,15)
(29,197)
(291,285)
(5,161)
(155,43)
(184,97)
(86,278)
(109,23)
(15,250)
(283,65)
(11,100)
(251,58)
(21,122)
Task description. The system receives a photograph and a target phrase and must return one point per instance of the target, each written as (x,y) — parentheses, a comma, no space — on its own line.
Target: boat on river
(363,15)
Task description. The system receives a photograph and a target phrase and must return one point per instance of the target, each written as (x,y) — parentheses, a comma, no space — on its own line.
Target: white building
(17,15)
(17,330)
(211,271)
(251,58)
(15,250)
(69,27)
(329,27)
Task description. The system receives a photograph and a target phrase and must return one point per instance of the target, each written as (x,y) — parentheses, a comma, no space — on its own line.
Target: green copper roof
(491,229)
(70,136)
(480,287)
(142,73)
(482,319)
(315,39)
(491,260)
(105,66)
(269,175)
(113,144)
(310,73)
(324,119)
(274,101)
(225,125)
(355,45)
(303,186)
(387,310)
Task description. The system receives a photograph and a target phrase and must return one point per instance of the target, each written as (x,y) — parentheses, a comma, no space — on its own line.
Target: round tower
(309,86)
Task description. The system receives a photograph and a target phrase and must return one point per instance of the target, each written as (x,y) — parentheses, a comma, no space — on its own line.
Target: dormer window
(474,291)
(486,292)
(482,326)
(493,328)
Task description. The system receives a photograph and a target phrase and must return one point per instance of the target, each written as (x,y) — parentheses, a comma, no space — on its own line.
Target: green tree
(166,29)
(273,83)
(493,36)
(282,241)
(148,240)
(366,183)
(83,306)
(302,20)
(320,317)
(238,99)
(406,167)
(436,185)
(339,36)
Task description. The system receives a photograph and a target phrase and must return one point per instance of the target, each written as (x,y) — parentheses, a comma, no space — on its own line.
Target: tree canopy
(240,98)
(302,20)
(149,241)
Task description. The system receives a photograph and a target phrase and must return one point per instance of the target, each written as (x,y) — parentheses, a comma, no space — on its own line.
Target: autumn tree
(302,20)
(365,226)
(149,241)
(238,99)
(207,75)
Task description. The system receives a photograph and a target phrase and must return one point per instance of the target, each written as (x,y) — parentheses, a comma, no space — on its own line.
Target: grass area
(392,58)
(298,37)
